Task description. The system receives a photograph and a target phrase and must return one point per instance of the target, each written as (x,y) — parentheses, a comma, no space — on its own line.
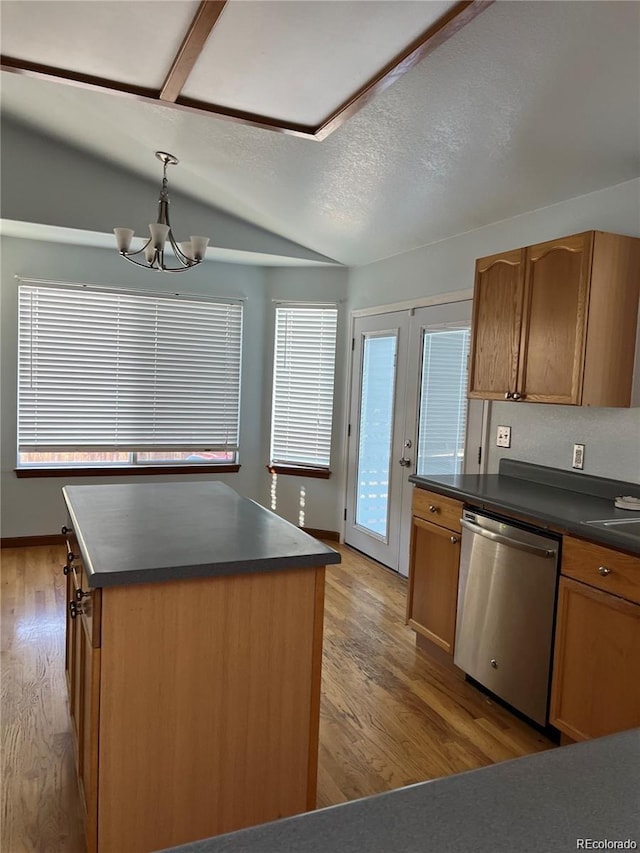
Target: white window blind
(102,369)
(443,401)
(303,376)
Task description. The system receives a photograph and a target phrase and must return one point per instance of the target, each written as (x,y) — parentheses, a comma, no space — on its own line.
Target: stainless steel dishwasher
(506,605)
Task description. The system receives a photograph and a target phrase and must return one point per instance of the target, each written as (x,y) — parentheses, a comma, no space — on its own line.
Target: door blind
(103,369)
(443,401)
(303,377)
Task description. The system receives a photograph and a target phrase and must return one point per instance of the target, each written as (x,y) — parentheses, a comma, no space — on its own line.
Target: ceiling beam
(445,27)
(203,23)
(208,14)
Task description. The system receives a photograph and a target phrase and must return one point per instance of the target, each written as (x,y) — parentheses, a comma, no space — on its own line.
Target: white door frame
(425,302)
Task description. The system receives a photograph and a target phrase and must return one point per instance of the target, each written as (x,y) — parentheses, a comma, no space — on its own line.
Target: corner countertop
(558,499)
(543,802)
(142,533)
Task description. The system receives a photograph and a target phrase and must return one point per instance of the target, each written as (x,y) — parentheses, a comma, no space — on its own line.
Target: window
(303,375)
(442,420)
(112,378)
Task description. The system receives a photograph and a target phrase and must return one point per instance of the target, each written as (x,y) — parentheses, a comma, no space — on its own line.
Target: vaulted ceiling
(512,107)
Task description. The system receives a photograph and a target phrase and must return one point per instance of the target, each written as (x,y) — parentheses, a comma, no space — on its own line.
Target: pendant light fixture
(187,254)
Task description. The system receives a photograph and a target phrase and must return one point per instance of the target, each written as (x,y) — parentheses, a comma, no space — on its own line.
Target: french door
(408,414)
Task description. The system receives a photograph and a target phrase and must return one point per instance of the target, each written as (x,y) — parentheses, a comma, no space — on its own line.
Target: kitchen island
(543,803)
(194,644)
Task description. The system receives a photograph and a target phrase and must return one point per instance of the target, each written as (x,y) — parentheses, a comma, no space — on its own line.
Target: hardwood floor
(389,716)
(40,799)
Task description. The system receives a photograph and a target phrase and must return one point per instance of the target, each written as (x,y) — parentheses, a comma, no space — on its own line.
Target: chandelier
(188,254)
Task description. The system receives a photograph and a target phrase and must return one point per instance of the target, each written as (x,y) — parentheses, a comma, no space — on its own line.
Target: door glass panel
(376,432)
(442,416)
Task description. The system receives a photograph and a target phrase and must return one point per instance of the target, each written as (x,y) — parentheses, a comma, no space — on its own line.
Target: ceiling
(524,106)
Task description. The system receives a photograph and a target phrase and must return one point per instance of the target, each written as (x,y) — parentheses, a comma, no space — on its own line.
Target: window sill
(300,471)
(125,470)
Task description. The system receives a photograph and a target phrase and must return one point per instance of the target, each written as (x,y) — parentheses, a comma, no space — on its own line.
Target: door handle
(506,540)
(404,462)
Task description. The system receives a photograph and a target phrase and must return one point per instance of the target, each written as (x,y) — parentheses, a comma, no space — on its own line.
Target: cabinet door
(75,703)
(595,686)
(553,337)
(69,641)
(496,325)
(90,697)
(433,582)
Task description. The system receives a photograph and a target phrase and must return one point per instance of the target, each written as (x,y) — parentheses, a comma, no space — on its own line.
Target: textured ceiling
(531,103)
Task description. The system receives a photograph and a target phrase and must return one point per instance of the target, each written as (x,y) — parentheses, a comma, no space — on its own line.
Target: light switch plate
(503,438)
(578,456)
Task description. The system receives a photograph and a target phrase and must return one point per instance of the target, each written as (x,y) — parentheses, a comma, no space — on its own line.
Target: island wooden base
(198,711)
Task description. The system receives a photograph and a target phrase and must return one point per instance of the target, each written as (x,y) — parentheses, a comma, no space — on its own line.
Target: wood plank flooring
(40,799)
(389,716)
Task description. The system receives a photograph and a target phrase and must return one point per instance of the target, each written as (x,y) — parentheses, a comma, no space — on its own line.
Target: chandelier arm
(185,260)
(157,269)
(138,252)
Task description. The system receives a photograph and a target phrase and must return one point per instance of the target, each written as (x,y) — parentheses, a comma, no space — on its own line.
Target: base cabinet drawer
(595,685)
(606,569)
(437,509)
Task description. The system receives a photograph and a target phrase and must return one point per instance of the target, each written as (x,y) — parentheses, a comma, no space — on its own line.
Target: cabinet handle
(516,396)
(433,508)
(508,395)
(454,540)
(80,594)
(70,557)
(66,569)
(604,571)
(74,609)
(64,530)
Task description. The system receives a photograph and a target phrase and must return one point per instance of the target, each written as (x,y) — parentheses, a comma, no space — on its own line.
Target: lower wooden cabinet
(596,674)
(433,570)
(195,705)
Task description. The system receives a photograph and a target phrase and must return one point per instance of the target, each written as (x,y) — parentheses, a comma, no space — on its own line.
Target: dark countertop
(562,500)
(542,802)
(141,533)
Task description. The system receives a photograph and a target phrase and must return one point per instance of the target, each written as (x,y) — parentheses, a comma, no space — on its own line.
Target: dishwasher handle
(505,540)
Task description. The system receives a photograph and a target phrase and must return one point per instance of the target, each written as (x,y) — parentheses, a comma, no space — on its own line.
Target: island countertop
(142,533)
(542,802)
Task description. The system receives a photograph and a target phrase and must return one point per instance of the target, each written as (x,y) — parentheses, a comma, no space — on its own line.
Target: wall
(541,433)
(546,434)
(32,507)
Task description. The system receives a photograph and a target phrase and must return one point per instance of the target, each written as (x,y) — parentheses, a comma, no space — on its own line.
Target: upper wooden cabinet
(556,322)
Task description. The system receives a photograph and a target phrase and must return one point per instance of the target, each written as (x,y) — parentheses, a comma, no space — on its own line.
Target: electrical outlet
(578,456)
(503,438)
